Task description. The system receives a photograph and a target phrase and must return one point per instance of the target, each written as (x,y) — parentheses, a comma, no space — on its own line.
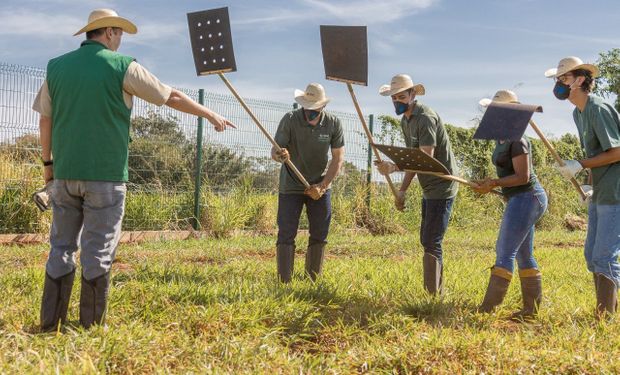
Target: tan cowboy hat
(568,64)
(99,18)
(400,83)
(313,98)
(502,96)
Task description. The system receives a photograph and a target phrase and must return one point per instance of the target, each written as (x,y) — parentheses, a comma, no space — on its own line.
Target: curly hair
(588,82)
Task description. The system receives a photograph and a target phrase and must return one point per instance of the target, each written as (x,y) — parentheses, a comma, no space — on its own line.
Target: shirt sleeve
(338,136)
(283,134)
(428,131)
(43,101)
(518,148)
(606,129)
(143,84)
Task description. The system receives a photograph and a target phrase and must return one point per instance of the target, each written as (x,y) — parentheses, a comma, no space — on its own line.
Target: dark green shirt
(308,146)
(502,159)
(425,128)
(599,130)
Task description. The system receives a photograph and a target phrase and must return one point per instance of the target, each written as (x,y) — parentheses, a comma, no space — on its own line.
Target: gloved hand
(588,190)
(41,197)
(385,167)
(399,200)
(282,156)
(569,169)
(315,191)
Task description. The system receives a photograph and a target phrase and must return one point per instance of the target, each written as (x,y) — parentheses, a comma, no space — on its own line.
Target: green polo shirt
(308,147)
(502,159)
(425,128)
(599,130)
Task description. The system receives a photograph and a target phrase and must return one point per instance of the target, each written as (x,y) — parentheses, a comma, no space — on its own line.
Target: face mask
(562,90)
(312,114)
(400,107)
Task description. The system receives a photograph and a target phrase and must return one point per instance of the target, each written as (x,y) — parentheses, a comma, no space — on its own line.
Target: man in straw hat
(306,136)
(598,124)
(423,128)
(85,105)
(526,203)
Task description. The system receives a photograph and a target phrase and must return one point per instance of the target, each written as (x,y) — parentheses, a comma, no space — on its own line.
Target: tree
(608,83)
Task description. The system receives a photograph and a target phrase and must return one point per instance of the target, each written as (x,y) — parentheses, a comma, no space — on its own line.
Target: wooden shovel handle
(453,178)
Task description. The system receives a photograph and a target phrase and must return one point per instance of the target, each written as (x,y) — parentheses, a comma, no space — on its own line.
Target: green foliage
(609,82)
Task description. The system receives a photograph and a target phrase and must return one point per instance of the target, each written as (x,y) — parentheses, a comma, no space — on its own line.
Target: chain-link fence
(163,154)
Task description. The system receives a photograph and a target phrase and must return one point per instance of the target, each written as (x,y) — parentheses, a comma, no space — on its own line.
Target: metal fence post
(198,177)
(371,121)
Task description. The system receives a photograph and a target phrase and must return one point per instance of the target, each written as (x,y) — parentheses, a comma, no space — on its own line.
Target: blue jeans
(435,217)
(516,233)
(88,213)
(602,246)
(319,214)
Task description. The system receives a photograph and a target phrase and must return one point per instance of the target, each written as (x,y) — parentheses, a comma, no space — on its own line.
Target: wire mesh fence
(162,162)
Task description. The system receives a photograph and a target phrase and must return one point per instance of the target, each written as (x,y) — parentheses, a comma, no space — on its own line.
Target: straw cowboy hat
(99,18)
(502,96)
(568,64)
(400,83)
(313,98)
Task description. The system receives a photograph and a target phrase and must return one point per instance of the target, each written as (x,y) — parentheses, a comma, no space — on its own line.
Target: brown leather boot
(497,289)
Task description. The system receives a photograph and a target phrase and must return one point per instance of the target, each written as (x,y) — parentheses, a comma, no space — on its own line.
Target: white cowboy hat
(502,96)
(400,83)
(568,64)
(99,18)
(313,98)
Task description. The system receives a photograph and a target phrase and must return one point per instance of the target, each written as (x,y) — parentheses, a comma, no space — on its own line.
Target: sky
(461,51)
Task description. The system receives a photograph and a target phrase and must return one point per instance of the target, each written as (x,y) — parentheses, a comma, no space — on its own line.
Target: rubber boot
(606,295)
(55,301)
(93,300)
(531,290)
(314,259)
(433,274)
(496,291)
(285,257)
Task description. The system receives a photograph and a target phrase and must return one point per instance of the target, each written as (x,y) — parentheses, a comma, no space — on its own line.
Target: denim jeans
(516,233)
(602,246)
(89,213)
(319,214)
(435,217)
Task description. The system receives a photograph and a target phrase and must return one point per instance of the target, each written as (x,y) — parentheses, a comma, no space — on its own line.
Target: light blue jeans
(602,246)
(88,213)
(516,234)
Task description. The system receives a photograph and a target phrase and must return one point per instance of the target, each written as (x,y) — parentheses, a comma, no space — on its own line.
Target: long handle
(289,163)
(369,135)
(556,156)
(454,178)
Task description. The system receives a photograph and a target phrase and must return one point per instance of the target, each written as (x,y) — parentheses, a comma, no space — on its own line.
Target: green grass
(214,306)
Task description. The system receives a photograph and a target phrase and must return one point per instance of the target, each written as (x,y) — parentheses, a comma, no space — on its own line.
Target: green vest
(90,121)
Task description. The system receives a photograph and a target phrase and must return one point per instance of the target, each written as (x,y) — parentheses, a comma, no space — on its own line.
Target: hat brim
(300,98)
(119,22)
(553,72)
(386,90)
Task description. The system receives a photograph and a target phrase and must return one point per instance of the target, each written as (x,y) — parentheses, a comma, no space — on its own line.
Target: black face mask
(561,90)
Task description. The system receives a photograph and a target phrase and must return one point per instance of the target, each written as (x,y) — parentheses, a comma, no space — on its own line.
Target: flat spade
(212,47)
(345,58)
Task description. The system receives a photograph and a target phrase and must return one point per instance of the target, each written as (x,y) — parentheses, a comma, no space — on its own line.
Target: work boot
(531,290)
(606,295)
(55,301)
(285,257)
(433,274)
(314,259)
(93,300)
(496,291)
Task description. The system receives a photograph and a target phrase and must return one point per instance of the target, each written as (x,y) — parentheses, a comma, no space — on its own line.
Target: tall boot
(93,300)
(55,301)
(433,274)
(285,257)
(606,295)
(314,259)
(531,290)
(496,291)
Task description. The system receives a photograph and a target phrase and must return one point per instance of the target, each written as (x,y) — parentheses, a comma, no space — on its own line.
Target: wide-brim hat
(400,83)
(99,18)
(313,98)
(568,64)
(502,96)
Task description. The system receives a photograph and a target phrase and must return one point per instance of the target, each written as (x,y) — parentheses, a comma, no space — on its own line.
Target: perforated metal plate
(345,53)
(412,159)
(211,39)
(505,121)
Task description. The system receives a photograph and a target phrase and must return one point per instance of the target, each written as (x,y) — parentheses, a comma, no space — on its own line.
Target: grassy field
(214,306)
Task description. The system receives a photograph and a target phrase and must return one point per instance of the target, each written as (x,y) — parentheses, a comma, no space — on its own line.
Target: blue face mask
(400,107)
(561,90)
(312,114)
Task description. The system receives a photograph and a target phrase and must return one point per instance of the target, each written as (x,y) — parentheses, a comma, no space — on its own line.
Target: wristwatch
(47,163)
